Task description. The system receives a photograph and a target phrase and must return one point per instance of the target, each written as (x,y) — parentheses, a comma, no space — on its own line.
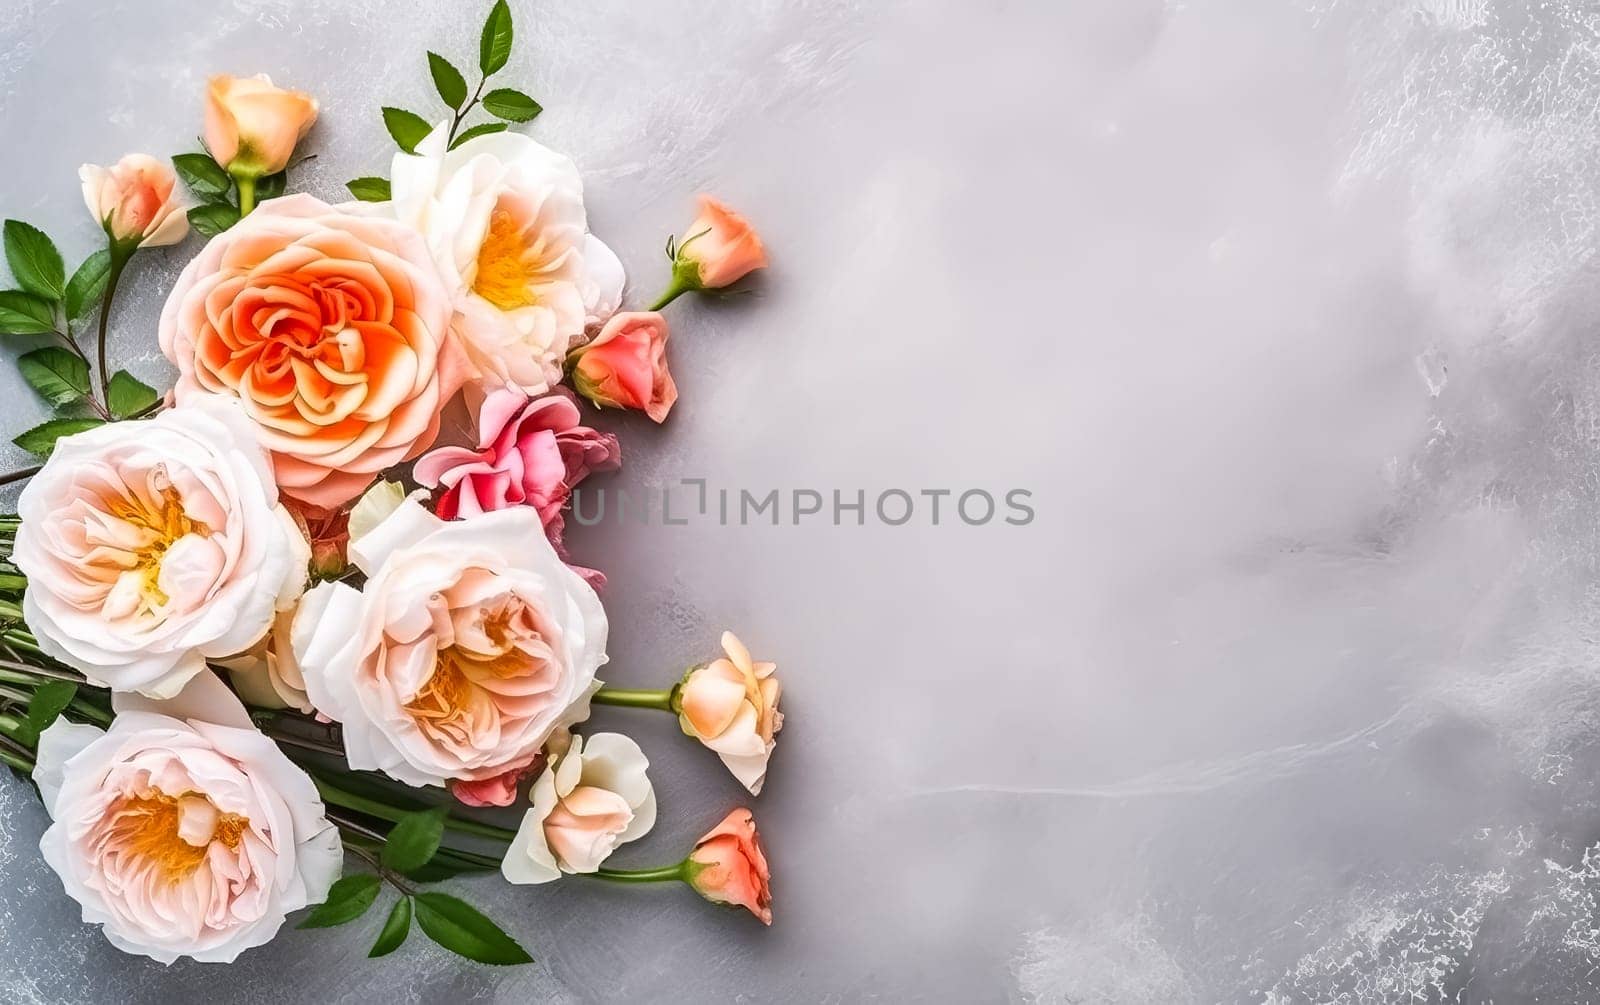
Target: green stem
(664,874)
(461,113)
(635,698)
(676,289)
(12,584)
(383,811)
(247,195)
(120,253)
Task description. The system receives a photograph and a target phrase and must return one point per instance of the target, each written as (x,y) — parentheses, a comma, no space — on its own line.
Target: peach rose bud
(731,706)
(720,248)
(728,866)
(134,200)
(252,126)
(626,365)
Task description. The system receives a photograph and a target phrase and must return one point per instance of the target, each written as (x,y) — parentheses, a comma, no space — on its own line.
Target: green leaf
(447,80)
(494,48)
(34,261)
(204,176)
(414,839)
(395,929)
(407,128)
(25,314)
(88,284)
(127,396)
(369,189)
(50,699)
(348,899)
(509,104)
(272,186)
(41,439)
(213,218)
(481,130)
(61,377)
(462,929)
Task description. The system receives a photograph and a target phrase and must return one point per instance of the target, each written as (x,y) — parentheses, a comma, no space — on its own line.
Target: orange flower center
(159,522)
(147,827)
(506,267)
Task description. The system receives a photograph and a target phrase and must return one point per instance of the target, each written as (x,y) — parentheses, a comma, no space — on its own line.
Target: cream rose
(332,328)
(183,831)
(731,706)
(266,675)
(591,797)
(135,200)
(504,218)
(470,643)
(151,546)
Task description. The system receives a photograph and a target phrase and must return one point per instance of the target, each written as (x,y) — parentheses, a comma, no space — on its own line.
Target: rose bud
(728,866)
(626,365)
(721,246)
(133,200)
(719,249)
(252,126)
(731,706)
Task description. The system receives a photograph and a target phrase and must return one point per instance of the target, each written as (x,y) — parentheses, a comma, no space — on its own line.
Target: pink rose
(530,453)
(728,866)
(721,246)
(134,201)
(626,365)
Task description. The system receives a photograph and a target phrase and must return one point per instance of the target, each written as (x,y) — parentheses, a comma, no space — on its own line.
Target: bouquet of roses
(248,625)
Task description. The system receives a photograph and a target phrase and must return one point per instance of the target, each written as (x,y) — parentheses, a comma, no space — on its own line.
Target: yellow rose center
(160,523)
(506,265)
(148,827)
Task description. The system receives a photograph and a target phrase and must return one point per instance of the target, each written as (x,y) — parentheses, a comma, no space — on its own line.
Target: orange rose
(252,126)
(722,246)
(332,330)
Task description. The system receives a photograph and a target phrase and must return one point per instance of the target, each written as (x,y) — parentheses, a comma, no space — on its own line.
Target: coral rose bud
(626,365)
(252,126)
(728,866)
(134,201)
(720,248)
(731,706)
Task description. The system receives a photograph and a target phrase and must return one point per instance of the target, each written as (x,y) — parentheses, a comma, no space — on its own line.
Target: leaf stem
(461,113)
(17,476)
(625,698)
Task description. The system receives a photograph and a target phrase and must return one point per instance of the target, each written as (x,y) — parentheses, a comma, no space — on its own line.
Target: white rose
(591,798)
(505,221)
(182,830)
(152,546)
(470,643)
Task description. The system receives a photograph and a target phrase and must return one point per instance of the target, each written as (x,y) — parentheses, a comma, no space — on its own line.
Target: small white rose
(590,798)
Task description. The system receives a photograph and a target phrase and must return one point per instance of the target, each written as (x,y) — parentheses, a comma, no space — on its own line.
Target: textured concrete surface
(1283,310)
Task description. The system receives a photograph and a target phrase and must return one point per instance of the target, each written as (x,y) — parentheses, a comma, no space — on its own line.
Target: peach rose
(592,796)
(154,545)
(251,126)
(626,365)
(134,201)
(720,248)
(182,831)
(728,866)
(731,706)
(266,675)
(333,330)
(468,646)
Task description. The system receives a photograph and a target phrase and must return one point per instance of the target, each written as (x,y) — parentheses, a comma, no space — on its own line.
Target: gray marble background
(1284,310)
